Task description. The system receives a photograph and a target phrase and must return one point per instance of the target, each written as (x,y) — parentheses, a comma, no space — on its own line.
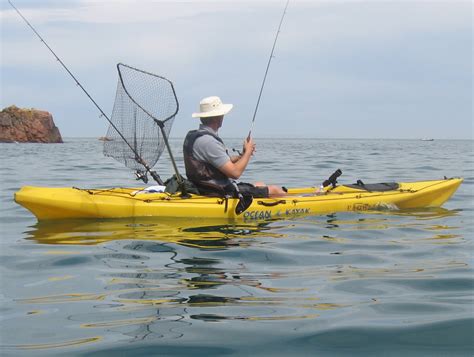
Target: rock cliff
(28,126)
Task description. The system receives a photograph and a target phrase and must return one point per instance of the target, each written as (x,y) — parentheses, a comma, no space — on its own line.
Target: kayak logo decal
(254,215)
(257,215)
(359,207)
(296,211)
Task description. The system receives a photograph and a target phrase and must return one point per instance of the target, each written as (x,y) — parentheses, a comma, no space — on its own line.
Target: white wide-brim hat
(212,107)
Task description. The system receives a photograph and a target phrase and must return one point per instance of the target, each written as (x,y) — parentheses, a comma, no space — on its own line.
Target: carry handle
(271,204)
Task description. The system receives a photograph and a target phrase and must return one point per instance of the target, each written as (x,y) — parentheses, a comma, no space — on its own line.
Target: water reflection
(62,344)
(384,219)
(219,234)
(156,279)
(202,233)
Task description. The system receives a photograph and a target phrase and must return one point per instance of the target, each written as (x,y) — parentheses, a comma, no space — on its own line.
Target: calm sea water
(381,283)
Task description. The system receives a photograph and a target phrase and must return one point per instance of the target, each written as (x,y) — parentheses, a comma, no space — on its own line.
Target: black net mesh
(143,103)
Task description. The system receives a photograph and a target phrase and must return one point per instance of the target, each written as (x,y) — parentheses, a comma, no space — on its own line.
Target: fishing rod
(266,71)
(137,156)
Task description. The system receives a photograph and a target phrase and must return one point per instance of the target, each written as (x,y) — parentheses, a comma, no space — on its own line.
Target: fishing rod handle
(332,180)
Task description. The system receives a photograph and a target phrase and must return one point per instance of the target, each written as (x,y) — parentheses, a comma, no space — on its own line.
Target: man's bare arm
(235,169)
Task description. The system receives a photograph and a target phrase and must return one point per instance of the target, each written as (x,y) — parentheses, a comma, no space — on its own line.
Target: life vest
(205,176)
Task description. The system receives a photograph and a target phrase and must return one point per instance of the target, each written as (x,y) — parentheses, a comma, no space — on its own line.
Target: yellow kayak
(68,203)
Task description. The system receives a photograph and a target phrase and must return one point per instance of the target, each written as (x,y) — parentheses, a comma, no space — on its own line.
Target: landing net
(144,102)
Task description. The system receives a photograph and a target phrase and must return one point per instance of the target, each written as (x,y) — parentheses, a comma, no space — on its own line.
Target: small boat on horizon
(427,139)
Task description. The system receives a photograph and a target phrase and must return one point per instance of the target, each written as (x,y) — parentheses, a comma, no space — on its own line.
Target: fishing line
(266,71)
(139,159)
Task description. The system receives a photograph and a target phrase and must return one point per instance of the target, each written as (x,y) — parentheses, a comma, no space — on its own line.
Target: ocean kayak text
(257,215)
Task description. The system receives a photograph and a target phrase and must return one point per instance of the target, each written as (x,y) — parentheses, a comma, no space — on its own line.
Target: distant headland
(28,126)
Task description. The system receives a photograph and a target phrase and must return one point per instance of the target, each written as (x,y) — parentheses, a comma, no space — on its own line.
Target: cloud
(122,12)
(331,58)
(92,32)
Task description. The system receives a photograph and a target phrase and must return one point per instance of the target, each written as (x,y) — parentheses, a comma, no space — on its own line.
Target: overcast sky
(342,69)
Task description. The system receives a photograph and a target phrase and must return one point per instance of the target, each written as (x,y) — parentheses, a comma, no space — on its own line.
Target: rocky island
(28,126)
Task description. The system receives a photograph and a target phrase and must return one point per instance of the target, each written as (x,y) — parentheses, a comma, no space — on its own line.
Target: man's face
(220,119)
(217,121)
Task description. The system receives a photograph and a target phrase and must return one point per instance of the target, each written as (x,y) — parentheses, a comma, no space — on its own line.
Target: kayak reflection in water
(208,163)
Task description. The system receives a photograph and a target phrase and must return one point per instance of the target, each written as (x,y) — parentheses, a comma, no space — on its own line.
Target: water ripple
(377,283)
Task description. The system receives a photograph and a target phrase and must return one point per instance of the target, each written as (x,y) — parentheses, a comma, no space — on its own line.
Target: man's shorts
(255,191)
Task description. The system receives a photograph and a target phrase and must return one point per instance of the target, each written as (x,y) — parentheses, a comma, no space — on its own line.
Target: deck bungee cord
(123,191)
(329,195)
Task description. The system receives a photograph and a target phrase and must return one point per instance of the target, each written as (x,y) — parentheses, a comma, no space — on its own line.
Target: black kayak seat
(375,187)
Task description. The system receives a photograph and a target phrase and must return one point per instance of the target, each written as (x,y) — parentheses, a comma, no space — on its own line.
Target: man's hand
(249,146)
(235,158)
(234,169)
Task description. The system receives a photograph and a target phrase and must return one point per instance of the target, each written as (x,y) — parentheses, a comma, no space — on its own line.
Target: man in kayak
(207,161)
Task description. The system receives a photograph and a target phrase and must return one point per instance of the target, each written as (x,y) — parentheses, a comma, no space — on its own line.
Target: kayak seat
(377,187)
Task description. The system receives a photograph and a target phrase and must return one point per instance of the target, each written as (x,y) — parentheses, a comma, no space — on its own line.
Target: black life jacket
(206,177)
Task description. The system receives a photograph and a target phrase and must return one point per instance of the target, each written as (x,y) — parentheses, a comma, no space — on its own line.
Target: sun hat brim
(223,109)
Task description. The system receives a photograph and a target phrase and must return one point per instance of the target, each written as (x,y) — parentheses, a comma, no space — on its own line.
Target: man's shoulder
(197,133)
(208,140)
(207,149)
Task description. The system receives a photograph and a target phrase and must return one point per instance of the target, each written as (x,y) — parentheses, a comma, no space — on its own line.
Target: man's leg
(273,190)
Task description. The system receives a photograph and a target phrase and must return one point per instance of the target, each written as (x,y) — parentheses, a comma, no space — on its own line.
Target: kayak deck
(65,203)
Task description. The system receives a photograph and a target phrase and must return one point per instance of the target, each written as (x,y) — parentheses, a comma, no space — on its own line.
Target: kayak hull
(69,203)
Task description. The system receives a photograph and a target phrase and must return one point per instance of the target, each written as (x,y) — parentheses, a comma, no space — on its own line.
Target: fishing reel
(237,151)
(141,175)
